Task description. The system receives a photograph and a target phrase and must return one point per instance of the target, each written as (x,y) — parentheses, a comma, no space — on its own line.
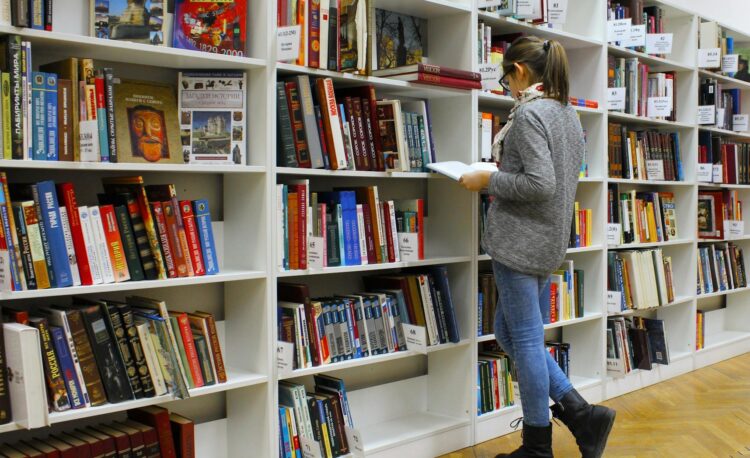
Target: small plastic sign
(730,63)
(316,248)
(614,233)
(310,447)
(709,58)
(614,301)
(718,173)
(354,439)
(706,115)
(618,30)
(287,42)
(655,170)
(490,76)
(615,98)
(659,43)
(704,173)
(416,338)
(659,106)
(740,122)
(284,357)
(557,11)
(733,229)
(524,7)
(636,37)
(408,246)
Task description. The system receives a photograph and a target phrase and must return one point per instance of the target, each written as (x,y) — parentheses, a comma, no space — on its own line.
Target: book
(217,26)
(57,396)
(136,346)
(456,169)
(422,67)
(183,433)
(114,243)
(401,39)
(6,414)
(27,222)
(215,345)
(157,418)
(139,22)
(89,240)
(69,247)
(150,437)
(46,198)
(28,401)
(438,80)
(106,263)
(206,235)
(117,330)
(192,238)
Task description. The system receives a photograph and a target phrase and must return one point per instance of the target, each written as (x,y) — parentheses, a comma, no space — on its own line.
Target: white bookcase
(405,404)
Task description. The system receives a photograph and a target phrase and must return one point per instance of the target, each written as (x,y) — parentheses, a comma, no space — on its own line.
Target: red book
(135,437)
(68,197)
(161,230)
(27,451)
(189,343)
(221,372)
(388,232)
(64,449)
(106,444)
(158,418)
(179,251)
(82,448)
(48,450)
(114,243)
(439,80)
(183,433)
(191,233)
(553,303)
(359,162)
(302,224)
(100,93)
(372,257)
(15,316)
(430,69)
(497,383)
(292,223)
(151,446)
(120,439)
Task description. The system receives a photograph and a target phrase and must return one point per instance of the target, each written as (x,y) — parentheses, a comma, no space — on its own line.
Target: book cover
(164,240)
(129,243)
(26,220)
(191,235)
(215,345)
(46,197)
(151,358)
(67,367)
(183,433)
(204,357)
(117,330)
(401,39)
(206,235)
(90,244)
(114,243)
(66,192)
(212,115)
(216,26)
(23,354)
(100,244)
(140,21)
(57,395)
(136,348)
(157,418)
(39,117)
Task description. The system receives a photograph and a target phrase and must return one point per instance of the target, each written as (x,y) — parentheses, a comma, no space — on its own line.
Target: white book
(388,321)
(659,265)
(28,399)
(58,318)
(69,246)
(362,235)
(5,12)
(455,169)
(362,328)
(324,21)
(90,243)
(149,352)
(394,230)
(298,337)
(100,241)
(429,310)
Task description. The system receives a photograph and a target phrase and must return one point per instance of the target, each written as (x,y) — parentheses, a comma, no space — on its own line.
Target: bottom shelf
(399,431)
(722,338)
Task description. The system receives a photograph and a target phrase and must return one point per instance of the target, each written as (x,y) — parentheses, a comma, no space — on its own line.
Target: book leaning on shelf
(644,217)
(721,267)
(137,233)
(495,372)
(635,343)
(643,277)
(643,154)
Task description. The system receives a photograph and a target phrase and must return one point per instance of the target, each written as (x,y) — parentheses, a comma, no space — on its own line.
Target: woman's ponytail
(547,62)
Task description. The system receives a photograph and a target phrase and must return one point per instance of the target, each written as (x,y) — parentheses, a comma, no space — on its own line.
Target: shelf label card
(709,58)
(614,233)
(614,301)
(740,122)
(704,173)
(655,169)
(316,251)
(707,114)
(636,37)
(284,357)
(287,42)
(615,98)
(354,438)
(310,447)
(619,29)
(491,74)
(557,11)
(730,63)
(659,106)
(408,246)
(718,174)
(416,338)
(659,43)
(524,7)
(733,229)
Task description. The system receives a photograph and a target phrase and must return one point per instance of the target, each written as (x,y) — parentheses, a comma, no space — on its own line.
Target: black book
(287,155)
(128,321)
(641,349)
(6,415)
(23,240)
(204,359)
(117,330)
(440,274)
(333,33)
(10,55)
(657,338)
(19,13)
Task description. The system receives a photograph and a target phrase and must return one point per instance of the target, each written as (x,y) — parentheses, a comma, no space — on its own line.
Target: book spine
(359,128)
(19,13)
(69,248)
(192,354)
(39,117)
(204,358)
(152,360)
(182,236)
(13,57)
(50,218)
(141,239)
(120,335)
(100,107)
(57,396)
(447,81)
(298,127)
(11,239)
(25,251)
(332,124)
(82,260)
(206,235)
(83,357)
(90,245)
(44,237)
(68,368)
(100,242)
(109,97)
(7,145)
(65,119)
(36,14)
(302,225)
(114,243)
(313,36)
(135,347)
(115,379)
(50,99)
(153,237)
(213,335)
(287,156)
(176,239)
(159,420)
(307,107)
(161,227)
(193,240)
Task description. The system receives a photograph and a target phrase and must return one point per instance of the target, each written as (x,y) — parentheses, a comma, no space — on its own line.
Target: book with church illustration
(139,22)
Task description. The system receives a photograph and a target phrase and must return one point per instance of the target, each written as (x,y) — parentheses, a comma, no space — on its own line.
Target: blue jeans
(522,308)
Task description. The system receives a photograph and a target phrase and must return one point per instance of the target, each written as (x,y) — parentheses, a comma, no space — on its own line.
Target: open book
(454,169)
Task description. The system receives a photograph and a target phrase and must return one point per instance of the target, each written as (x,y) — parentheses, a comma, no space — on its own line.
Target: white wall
(733,13)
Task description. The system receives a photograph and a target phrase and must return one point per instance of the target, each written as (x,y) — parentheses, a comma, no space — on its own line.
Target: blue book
(440,275)
(103,127)
(351,224)
(45,195)
(730,50)
(372,335)
(50,100)
(340,230)
(480,313)
(285,437)
(13,253)
(36,13)
(43,235)
(377,318)
(67,367)
(352,325)
(346,331)
(39,117)
(206,235)
(677,157)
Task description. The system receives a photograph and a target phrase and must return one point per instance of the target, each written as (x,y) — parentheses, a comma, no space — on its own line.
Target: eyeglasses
(504,81)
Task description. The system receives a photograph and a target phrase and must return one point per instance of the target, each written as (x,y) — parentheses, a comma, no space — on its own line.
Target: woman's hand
(475,181)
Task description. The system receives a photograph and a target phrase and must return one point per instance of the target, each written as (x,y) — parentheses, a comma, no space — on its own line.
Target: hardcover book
(401,39)
(57,395)
(139,21)
(216,26)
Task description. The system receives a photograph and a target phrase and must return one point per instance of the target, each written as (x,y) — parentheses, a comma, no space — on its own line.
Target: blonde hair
(547,62)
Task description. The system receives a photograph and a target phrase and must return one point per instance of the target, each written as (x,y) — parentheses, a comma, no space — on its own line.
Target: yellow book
(31,220)
(652,236)
(5,80)
(589,219)
(577,223)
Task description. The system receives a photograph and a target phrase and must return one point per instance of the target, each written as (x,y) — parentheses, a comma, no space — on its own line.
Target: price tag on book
(614,233)
(730,63)
(704,173)
(316,250)
(524,7)
(734,229)
(490,76)
(655,170)
(557,11)
(709,58)
(416,338)
(636,37)
(659,106)
(707,114)
(287,42)
(615,98)
(408,246)
(740,122)
(284,357)
(618,30)
(614,301)
(310,448)
(718,173)
(659,43)
(354,439)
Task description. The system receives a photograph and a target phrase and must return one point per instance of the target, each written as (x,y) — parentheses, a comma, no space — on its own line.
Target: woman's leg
(559,385)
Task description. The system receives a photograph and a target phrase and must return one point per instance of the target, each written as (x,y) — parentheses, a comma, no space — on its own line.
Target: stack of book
(32,14)
(566,293)
(436,75)
(721,267)
(137,232)
(643,277)
(732,156)
(581,228)
(643,154)
(700,329)
(489,126)
(645,217)
(320,418)
(714,208)
(494,382)
(635,344)
(560,352)
(640,85)
(726,103)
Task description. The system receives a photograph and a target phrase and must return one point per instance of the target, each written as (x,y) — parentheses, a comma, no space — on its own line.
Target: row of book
(98,352)
(644,217)
(320,418)
(72,111)
(652,17)
(635,343)
(533,11)
(643,154)
(644,279)
(725,102)
(700,329)
(137,232)
(714,208)
(560,352)
(495,382)
(641,85)
(721,267)
(733,158)
(581,227)
(346,227)
(146,432)
(489,126)
(337,328)
(349,129)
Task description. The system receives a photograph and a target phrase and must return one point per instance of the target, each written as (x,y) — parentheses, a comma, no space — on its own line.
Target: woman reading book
(528,226)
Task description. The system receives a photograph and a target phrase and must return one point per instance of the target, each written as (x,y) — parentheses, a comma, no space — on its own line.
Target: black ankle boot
(537,443)
(590,424)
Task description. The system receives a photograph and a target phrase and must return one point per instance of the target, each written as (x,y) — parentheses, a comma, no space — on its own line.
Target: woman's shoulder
(544,108)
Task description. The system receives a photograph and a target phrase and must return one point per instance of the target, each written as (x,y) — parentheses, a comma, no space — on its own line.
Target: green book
(182,353)
(205,359)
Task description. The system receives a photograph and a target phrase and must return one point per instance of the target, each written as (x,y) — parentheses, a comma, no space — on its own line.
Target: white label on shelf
(416,338)
(707,114)
(636,37)
(615,98)
(718,175)
(354,438)
(310,447)
(316,248)
(659,43)
(659,106)
(740,122)
(524,7)
(730,63)
(488,3)
(618,30)
(733,229)
(614,301)
(704,173)
(287,42)
(284,357)
(408,246)
(655,169)
(709,58)
(557,11)
(614,233)
(490,76)
(4,271)
(720,114)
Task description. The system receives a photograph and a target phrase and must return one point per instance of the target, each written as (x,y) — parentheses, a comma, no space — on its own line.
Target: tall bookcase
(405,404)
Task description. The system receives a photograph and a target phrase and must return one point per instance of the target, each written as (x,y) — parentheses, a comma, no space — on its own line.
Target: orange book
(553,303)
(179,252)
(192,354)
(589,222)
(114,243)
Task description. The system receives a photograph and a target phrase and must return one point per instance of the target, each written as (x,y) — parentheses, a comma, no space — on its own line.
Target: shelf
(225,276)
(590,180)
(583,249)
(375,267)
(722,293)
(727,82)
(492,100)
(353,173)
(655,63)
(99,49)
(642,120)
(425,8)
(724,338)
(510,25)
(650,182)
(636,246)
(737,239)
(235,380)
(677,301)
(398,431)
(557,324)
(724,132)
(129,167)
(499,412)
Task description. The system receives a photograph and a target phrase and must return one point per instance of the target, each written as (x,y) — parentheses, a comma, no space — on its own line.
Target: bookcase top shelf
(650,182)
(567,39)
(726,133)
(129,167)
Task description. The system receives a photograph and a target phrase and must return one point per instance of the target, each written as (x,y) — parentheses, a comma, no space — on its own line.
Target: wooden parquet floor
(705,413)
